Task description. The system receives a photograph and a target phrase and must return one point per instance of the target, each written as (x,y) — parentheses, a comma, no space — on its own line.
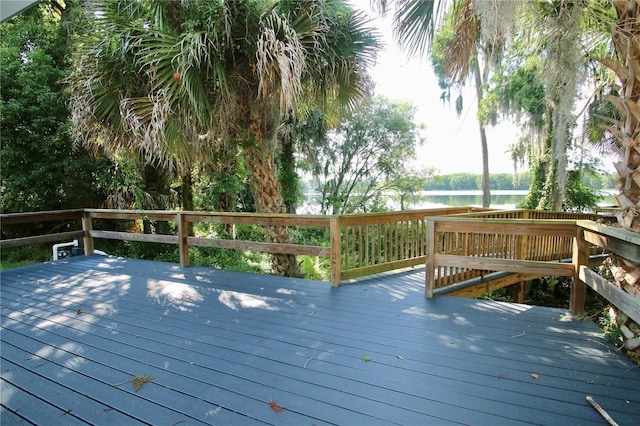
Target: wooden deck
(223,347)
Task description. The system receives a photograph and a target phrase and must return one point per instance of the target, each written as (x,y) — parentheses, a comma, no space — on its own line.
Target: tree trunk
(268,197)
(186,197)
(486,193)
(626,39)
(186,192)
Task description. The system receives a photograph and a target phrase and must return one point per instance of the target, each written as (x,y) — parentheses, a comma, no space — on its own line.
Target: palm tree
(178,79)
(626,65)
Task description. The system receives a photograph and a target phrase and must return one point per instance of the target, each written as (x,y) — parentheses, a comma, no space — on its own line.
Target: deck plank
(25,407)
(228,343)
(53,392)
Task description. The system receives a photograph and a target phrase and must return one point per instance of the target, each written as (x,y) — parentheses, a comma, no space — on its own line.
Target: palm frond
(280,61)
(414,22)
(462,48)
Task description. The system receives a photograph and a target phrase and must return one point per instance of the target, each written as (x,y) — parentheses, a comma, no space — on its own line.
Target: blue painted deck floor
(106,341)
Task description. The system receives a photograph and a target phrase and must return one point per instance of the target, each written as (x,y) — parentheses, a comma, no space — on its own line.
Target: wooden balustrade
(462,248)
(543,244)
(378,242)
(491,241)
(358,245)
(70,220)
(466,245)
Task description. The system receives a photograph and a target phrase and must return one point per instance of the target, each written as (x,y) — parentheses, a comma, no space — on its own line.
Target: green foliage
(149,251)
(223,183)
(310,236)
(21,256)
(611,328)
(438,59)
(366,154)
(315,268)
(289,179)
(580,195)
(47,170)
(407,188)
(536,190)
(516,92)
(234,260)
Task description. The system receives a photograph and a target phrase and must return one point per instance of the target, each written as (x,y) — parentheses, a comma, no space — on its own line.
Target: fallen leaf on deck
(275,407)
(140,381)
(137,381)
(366,357)
(535,376)
(399,357)
(79,311)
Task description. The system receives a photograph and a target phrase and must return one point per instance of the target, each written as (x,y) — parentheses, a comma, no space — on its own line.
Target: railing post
(580,257)
(429,272)
(336,251)
(87,227)
(183,242)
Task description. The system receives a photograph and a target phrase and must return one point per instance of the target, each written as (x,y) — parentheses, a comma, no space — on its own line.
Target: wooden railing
(378,242)
(65,226)
(357,245)
(467,247)
(183,219)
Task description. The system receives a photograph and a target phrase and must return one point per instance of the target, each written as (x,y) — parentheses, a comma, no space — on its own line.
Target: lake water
(500,199)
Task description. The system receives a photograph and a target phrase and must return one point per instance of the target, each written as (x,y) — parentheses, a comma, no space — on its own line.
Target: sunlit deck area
(209,346)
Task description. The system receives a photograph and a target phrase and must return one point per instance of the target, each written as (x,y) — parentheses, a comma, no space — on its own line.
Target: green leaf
(366,358)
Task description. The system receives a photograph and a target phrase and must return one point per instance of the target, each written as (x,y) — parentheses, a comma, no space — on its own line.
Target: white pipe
(59,245)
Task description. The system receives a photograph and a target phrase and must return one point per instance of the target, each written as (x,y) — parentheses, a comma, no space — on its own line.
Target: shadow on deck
(223,347)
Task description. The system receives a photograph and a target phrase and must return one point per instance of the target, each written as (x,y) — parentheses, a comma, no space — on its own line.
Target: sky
(452,143)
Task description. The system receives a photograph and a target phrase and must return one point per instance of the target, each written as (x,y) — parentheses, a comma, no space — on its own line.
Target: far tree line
(520,181)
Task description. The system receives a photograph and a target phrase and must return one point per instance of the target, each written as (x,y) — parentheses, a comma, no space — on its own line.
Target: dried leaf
(366,357)
(140,381)
(79,311)
(400,357)
(535,376)
(275,407)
